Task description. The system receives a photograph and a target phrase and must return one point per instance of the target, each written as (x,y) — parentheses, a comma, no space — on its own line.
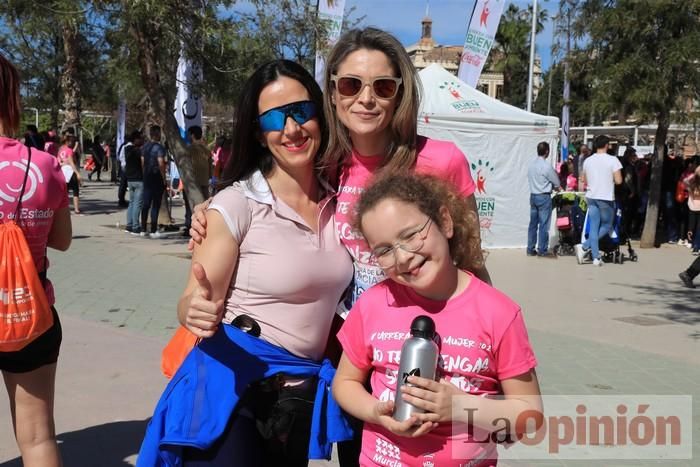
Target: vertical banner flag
(480,36)
(565,123)
(188,105)
(121,122)
(331,11)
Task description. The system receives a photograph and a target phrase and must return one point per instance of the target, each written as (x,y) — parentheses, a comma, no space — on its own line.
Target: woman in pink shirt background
(30,373)
(66,158)
(416,226)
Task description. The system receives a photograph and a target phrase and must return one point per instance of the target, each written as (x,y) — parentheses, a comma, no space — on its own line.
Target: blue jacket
(197,404)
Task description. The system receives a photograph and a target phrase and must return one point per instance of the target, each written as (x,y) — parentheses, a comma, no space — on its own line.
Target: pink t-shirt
(483,341)
(64,154)
(44,194)
(442,159)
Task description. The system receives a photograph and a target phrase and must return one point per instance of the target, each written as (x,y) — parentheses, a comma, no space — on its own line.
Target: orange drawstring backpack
(25,313)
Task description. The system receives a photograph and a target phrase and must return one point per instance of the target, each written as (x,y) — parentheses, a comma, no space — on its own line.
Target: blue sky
(450,17)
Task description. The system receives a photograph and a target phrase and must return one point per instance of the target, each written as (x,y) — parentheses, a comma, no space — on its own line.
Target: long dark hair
(247,154)
(9,91)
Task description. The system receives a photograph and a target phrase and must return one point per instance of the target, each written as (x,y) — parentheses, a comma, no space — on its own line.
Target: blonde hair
(429,195)
(401,153)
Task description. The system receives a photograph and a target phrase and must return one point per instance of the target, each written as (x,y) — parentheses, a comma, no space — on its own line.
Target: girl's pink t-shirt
(483,341)
(44,194)
(442,159)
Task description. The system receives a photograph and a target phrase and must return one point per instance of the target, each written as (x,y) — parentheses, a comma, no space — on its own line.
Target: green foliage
(581,106)
(644,54)
(513,45)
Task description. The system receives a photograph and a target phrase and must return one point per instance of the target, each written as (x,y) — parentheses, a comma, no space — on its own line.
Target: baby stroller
(609,245)
(570,211)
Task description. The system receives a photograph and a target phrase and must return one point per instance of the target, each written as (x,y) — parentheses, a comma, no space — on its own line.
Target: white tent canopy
(499,141)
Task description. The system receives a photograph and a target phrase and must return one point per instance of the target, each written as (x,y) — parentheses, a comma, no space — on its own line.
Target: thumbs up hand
(203,315)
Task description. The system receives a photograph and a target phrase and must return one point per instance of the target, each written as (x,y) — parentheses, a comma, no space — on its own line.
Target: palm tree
(513,44)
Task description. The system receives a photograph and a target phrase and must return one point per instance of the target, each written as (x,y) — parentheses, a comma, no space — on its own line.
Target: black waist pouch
(280,410)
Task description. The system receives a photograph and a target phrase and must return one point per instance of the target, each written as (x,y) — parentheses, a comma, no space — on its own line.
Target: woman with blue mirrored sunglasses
(275,119)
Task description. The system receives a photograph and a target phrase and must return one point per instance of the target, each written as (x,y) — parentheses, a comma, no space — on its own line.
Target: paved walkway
(619,329)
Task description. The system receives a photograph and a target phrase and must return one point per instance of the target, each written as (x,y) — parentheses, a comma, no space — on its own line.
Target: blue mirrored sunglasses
(275,119)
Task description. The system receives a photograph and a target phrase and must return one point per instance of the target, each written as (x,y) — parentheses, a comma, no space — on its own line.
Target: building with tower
(426,52)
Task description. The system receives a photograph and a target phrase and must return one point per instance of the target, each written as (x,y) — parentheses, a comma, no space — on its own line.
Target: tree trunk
(648,239)
(69,80)
(56,85)
(163,106)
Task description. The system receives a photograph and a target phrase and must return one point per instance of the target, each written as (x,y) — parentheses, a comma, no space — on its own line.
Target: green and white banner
(480,37)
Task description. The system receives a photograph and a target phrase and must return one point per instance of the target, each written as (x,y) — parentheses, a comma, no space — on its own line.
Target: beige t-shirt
(288,278)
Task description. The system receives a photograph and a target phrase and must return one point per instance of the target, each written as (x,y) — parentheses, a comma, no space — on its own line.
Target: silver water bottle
(419,357)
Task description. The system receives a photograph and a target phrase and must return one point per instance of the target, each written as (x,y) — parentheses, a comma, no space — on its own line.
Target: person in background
(672,169)
(542,179)
(692,182)
(584,153)
(121,156)
(221,155)
(601,172)
(98,157)
(30,373)
(691,273)
(571,180)
(107,149)
(33,139)
(50,145)
(681,196)
(154,181)
(133,172)
(628,193)
(66,157)
(201,167)
(563,173)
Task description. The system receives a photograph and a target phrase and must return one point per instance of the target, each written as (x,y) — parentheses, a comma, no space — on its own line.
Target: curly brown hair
(429,194)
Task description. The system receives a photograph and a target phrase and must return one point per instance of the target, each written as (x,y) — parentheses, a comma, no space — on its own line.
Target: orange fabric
(25,313)
(89,163)
(681,191)
(176,350)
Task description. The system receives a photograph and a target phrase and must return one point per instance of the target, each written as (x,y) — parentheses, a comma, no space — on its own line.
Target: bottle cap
(423,326)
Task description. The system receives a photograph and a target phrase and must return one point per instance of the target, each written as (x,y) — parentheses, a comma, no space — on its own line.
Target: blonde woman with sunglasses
(371,100)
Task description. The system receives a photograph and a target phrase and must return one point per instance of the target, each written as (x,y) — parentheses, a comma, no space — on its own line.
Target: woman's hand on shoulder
(202,316)
(198,230)
(411,428)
